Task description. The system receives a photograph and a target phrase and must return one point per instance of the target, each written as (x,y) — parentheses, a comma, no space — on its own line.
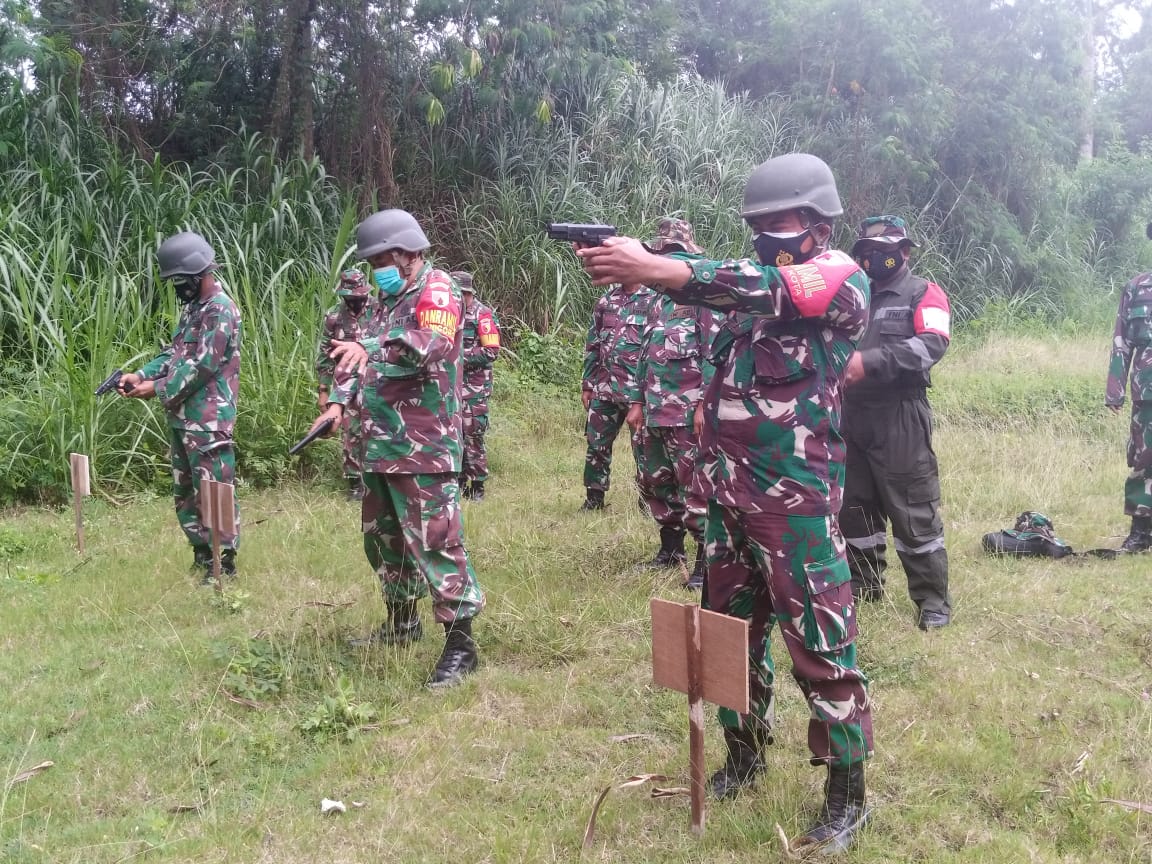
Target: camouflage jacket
(340,324)
(612,352)
(908,332)
(1132,344)
(673,370)
(198,376)
(771,439)
(481,345)
(410,390)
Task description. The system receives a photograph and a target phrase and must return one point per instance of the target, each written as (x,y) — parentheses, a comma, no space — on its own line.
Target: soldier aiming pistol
(588,235)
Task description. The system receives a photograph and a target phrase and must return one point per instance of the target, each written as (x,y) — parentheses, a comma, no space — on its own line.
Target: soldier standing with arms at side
(611,358)
(197,378)
(1132,350)
(481,345)
(346,322)
(892,471)
(772,447)
(407,372)
(670,383)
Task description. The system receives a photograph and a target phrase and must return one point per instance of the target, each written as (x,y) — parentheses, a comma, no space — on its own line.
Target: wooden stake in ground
(80,487)
(218,515)
(705,655)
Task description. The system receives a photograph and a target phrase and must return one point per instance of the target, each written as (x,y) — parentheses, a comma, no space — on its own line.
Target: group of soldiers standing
(777,412)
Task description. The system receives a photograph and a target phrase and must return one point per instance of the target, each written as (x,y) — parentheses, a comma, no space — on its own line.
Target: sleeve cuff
(703,271)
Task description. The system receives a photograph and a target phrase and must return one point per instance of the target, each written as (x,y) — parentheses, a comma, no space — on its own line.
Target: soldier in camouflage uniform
(892,471)
(771,443)
(346,322)
(611,358)
(407,372)
(197,378)
(1132,350)
(481,345)
(670,383)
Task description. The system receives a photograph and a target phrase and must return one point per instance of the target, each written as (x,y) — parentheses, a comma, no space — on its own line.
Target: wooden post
(705,655)
(80,487)
(218,515)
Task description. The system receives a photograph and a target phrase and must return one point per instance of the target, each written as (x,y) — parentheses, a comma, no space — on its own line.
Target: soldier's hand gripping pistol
(113,382)
(586,235)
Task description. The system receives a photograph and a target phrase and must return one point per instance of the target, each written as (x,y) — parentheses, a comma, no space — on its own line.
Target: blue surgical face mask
(388,280)
(781,250)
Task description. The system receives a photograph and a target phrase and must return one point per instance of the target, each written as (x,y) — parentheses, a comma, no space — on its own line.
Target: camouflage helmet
(464,280)
(674,234)
(389,229)
(184,254)
(790,182)
(353,284)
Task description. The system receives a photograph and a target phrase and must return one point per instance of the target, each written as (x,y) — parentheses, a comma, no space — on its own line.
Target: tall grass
(81,297)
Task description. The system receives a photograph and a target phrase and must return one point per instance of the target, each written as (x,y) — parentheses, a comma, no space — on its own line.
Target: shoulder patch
(438,308)
(813,284)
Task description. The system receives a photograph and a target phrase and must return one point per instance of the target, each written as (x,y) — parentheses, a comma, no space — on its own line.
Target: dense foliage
(1013,136)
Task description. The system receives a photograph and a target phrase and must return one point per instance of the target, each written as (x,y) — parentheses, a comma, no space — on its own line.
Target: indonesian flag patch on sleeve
(934,314)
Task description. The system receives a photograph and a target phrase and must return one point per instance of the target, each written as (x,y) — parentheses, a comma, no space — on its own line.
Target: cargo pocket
(440,522)
(777,363)
(829,621)
(921,514)
(1138,327)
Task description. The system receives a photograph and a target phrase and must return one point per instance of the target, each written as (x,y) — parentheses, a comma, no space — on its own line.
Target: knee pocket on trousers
(829,620)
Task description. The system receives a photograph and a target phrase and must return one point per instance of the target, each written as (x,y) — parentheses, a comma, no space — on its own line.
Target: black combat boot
(696,580)
(355,489)
(458,658)
(202,558)
(744,761)
(843,813)
(475,491)
(228,563)
(1139,539)
(594,500)
(671,548)
(403,626)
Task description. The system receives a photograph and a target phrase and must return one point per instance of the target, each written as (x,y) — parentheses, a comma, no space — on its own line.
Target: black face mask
(355,305)
(881,264)
(187,288)
(781,250)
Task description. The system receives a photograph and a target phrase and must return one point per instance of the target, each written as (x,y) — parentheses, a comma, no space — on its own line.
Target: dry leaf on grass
(323,604)
(630,783)
(670,792)
(632,736)
(328,806)
(1129,805)
(30,773)
(184,808)
(240,700)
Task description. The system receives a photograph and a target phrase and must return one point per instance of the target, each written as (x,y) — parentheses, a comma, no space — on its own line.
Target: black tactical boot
(1139,539)
(696,580)
(458,658)
(843,813)
(743,763)
(594,501)
(475,492)
(403,626)
(228,563)
(671,548)
(355,489)
(202,559)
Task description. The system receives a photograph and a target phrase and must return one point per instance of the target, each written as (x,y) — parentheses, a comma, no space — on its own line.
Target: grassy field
(998,739)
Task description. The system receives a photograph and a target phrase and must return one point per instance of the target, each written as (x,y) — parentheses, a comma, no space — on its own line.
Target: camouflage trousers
(353,440)
(196,455)
(1138,486)
(665,466)
(475,452)
(600,430)
(414,540)
(766,567)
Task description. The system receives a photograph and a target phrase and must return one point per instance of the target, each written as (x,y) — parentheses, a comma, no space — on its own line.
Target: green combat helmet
(353,284)
(184,254)
(790,182)
(389,229)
